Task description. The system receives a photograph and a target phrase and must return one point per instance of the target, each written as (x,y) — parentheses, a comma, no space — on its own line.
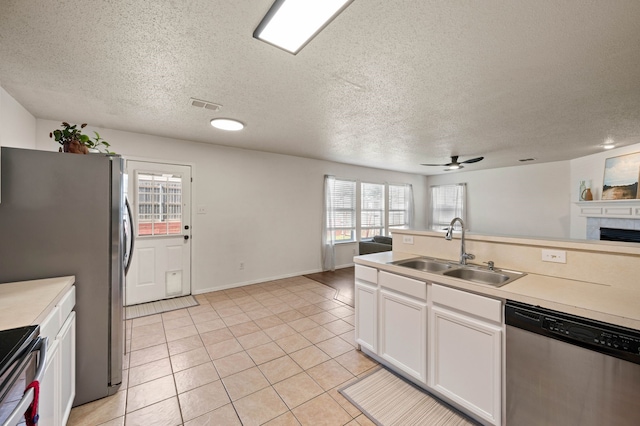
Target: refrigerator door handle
(129,244)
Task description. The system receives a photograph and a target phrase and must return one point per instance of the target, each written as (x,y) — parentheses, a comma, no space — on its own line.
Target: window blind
(372,210)
(447,202)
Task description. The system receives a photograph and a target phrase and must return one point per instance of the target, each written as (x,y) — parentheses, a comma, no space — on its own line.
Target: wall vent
(198,103)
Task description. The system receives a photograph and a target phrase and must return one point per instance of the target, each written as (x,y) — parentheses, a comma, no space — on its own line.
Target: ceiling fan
(455,164)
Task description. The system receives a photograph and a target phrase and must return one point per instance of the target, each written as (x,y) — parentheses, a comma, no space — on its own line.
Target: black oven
(22,361)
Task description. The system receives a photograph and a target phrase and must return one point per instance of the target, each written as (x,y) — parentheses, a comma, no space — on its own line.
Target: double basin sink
(476,274)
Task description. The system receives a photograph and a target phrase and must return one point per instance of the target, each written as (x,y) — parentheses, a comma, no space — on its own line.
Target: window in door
(159,204)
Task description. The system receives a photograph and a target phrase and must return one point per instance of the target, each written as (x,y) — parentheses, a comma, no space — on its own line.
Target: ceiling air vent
(198,103)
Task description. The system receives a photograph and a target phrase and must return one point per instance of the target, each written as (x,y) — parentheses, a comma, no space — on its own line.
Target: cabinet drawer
(66,304)
(468,303)
(367,274)
(51,324)
(404,285)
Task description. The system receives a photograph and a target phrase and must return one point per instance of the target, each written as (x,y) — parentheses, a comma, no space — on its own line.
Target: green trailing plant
(73,140)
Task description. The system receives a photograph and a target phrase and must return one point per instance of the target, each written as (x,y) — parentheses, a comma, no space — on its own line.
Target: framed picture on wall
(621,175)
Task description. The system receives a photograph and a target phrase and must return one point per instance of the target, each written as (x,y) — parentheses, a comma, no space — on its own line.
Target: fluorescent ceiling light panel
(291,24)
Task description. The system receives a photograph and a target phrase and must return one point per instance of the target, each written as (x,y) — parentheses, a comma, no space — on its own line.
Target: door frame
(190,164)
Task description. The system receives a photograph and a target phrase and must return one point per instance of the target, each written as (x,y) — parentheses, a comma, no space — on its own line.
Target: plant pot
(75,147)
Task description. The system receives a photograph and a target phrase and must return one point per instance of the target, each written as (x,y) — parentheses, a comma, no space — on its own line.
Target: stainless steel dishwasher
(567,370)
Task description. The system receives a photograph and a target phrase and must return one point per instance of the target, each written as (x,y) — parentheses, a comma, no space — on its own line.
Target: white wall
(262,209)
(17,125)
(526,200)
(590,167)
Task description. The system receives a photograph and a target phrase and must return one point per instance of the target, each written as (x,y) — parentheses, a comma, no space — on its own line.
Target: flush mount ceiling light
(291,24)
(227,124)
(608,144)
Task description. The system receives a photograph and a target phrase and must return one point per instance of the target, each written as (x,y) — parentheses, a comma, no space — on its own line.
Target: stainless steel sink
(494,278)
(426,265)
(472,273)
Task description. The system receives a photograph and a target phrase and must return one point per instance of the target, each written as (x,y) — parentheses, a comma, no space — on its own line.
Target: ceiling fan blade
(473,160)
(454,160)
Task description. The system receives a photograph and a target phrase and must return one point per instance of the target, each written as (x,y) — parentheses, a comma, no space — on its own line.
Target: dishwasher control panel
(609,339)
(592,335)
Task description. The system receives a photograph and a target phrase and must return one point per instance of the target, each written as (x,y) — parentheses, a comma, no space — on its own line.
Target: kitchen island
(448,335)
(599,281)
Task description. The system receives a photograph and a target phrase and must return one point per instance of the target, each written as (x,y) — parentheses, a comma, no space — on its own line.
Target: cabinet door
(465,362)
(366,316)
(403,334)
(48,404)
(67,386)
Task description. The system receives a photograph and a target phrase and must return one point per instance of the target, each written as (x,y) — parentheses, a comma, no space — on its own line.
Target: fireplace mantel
(618,209)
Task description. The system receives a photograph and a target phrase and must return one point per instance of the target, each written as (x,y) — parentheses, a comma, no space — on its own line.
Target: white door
(160,197)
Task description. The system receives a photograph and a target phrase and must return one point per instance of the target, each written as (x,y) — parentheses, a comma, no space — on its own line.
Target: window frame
(385,229)
(407,214)
(434,209)
(354,215)
(383,212)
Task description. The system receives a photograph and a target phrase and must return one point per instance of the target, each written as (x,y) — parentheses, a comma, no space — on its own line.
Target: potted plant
(72,140)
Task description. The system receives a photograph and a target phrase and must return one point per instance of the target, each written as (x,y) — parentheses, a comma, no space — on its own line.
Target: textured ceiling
(388,84)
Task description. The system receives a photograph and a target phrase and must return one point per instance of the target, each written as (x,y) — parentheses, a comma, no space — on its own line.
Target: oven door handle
(17,415)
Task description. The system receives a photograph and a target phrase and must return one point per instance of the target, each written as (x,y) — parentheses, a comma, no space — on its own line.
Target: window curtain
(328,238)
(408,192)
(447,203)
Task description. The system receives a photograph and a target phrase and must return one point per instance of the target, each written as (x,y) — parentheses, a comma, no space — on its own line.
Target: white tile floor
(273,353)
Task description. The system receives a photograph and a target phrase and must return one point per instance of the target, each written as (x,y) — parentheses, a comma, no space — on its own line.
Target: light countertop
(591,300)
(29,302)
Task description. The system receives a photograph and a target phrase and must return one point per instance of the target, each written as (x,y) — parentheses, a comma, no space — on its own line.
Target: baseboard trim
(256,281)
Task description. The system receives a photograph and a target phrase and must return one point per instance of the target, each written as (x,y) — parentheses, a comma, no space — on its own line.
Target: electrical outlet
(202,210)
(407,239)
(556,256)
(241,266)
(353,251)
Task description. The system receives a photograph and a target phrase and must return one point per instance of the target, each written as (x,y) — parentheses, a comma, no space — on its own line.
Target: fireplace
(614,234)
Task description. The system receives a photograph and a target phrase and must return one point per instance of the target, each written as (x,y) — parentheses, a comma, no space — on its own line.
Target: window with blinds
(447,203)
(159,204)
(398,207)
(342,219)
(372,210)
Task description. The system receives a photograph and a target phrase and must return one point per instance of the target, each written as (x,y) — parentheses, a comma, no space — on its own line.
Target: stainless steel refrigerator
(62,214)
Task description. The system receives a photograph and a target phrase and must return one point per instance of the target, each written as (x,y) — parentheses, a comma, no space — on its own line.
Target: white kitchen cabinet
(57,389)
(366,300)
(67,388)
(466,351)
(49,399)
(403,324)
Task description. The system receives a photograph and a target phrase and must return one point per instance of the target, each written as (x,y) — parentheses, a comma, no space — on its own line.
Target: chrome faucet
(449,236)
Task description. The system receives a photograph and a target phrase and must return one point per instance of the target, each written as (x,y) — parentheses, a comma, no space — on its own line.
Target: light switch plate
(556,256)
